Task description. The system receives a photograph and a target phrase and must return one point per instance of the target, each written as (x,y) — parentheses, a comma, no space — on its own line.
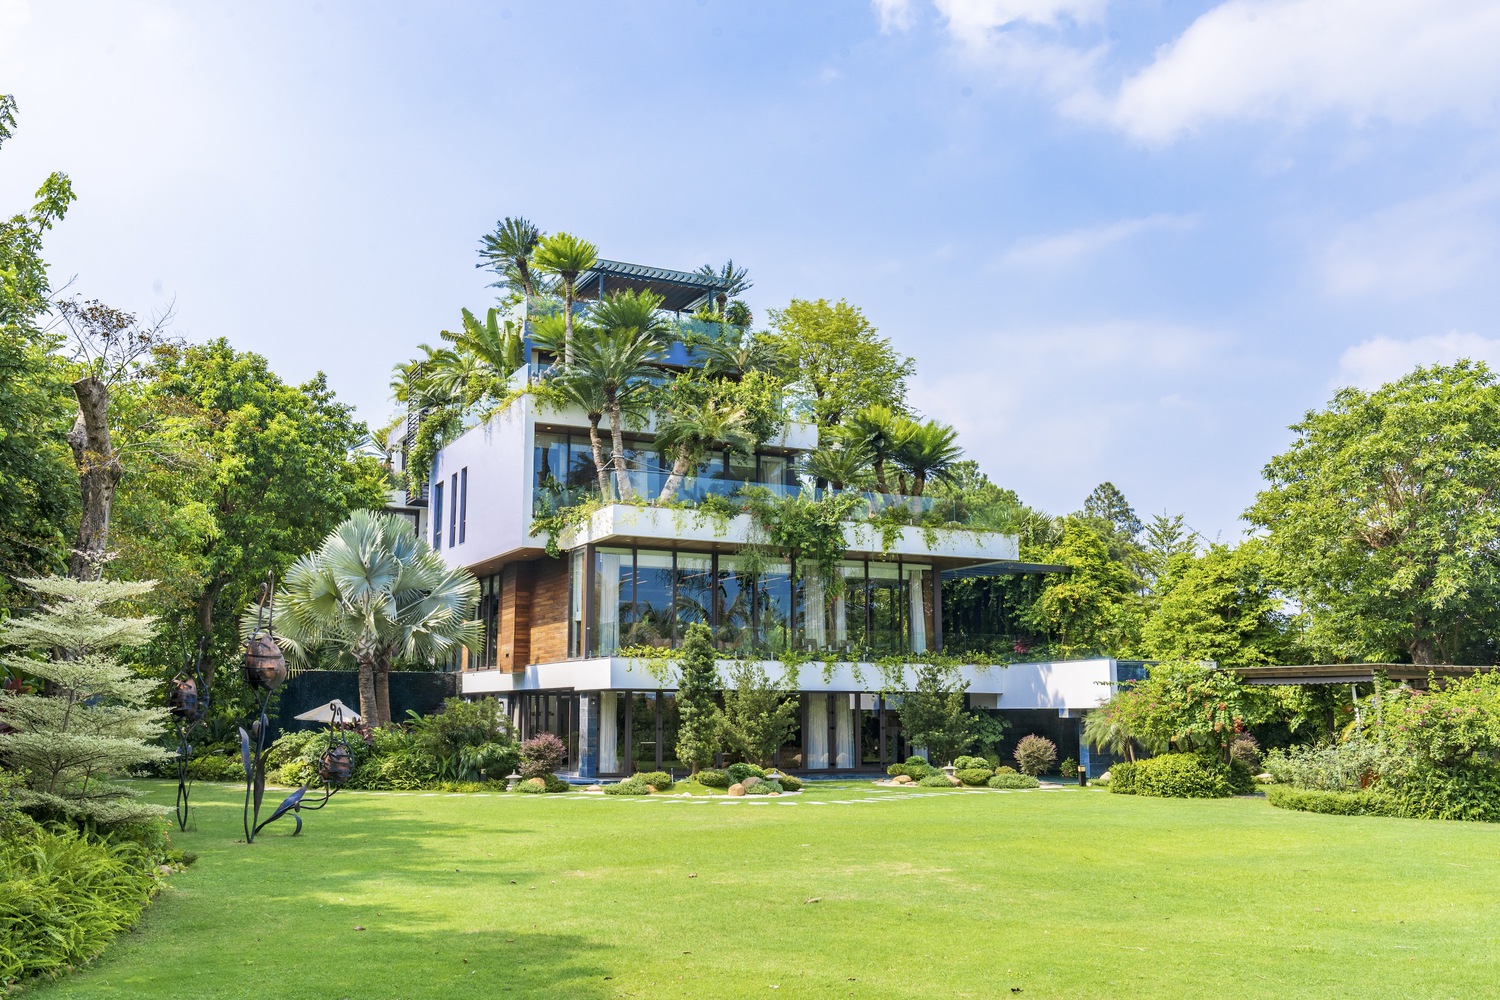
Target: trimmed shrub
(1006,769)
(739,772)
(630,786)
(918,761)
(1241,778)
(1334,803)
(1465,792)
(659,780)
(973,764)
(714,779)
(1183,776)
(533,786)
(1068,768)
(789,783)
(1013,781)
(64,896)
(936,781)
(1122,777)
(898,769)
(216,768)
(553,784)
(1035,754)
(1244,749)
(763,788)
(543,754)
(973,775)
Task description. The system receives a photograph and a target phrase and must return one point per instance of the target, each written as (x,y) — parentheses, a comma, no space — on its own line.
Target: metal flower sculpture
(265,671)
(187,700)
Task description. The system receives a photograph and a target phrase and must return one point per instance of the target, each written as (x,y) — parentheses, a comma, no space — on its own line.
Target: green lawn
(1066,893)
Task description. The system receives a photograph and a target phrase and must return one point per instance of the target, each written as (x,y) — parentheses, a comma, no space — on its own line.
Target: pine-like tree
(97,723)
(701,724)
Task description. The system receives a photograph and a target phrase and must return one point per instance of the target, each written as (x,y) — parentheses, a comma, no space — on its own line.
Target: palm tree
(731,281)
(586,393)
(839,464)
(566,256)
(617,360)
(378,592)
(508,252)
(1103,728)
(882,432)
(691,432)
(735,356)
(928,452)
(493,342)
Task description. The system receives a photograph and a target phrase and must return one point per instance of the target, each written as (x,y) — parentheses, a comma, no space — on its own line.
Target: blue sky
(1124,241)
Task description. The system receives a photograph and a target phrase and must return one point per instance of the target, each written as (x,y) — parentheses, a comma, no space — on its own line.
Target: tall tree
(759,714)
(731,280)
(1383,515)
(509,250)
(375,590)
(927,452)
(620,357)
(1090,609)
(832,354)
(1222,607)
(108,347)
(689,433)
(35,468)
(700,719)
(95,722)
(1165,536)
(566,256)
(933,715)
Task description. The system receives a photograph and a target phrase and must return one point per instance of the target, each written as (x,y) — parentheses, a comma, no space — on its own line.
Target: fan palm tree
(1103,728)
(508,252)
(691,432)
(566,256)
(378,592)
(882,432)
(731,281)
(928,452)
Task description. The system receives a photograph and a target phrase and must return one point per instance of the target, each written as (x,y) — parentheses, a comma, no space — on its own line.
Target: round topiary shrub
(1005,769)
(935,781)
(1245,750)
(921,761)
(789,783)
(1068,768)
(739,772)
(1035,754)
(1013,780)
(1122,778)
(897,769)
(972,763)
(659,780)
(973,775)
(714,779)
(533,786)
(763,788)
(630,786)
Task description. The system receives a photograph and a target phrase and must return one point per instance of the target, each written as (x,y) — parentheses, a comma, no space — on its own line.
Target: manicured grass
(1065,893)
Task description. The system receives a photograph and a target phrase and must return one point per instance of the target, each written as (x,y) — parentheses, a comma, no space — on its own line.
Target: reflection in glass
(612,598)
(643,747)
(669,724)
(921,613)
(773,606)
(695,591)
(735,594)
(651,624)
(854,633)
(885,590)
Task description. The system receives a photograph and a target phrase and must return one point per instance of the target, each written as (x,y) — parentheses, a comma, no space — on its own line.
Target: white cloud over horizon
(1372,363)
(1067,247)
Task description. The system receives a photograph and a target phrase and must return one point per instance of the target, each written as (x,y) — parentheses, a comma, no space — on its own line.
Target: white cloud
(895,15)
(1064,248)
(1417,247)
(1291,61)
(1374,362)
(976,22)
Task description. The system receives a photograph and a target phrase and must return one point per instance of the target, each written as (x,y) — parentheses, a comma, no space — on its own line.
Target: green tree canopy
(1382,516)
(832,354)
(700,719)
(1093,608)
(1220,606)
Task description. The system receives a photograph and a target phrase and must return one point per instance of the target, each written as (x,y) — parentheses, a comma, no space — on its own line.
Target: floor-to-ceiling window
(654,620)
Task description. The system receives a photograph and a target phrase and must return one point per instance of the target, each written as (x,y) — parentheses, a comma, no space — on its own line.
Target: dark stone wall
(1042,722)
(421,691)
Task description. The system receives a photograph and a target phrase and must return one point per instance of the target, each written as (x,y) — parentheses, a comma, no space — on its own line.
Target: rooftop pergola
(679,290)
(1415,674)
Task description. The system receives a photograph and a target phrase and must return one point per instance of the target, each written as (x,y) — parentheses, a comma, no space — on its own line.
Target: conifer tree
(97,723)
(700,726)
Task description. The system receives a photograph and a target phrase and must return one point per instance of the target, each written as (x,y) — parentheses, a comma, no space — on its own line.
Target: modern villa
(634,575)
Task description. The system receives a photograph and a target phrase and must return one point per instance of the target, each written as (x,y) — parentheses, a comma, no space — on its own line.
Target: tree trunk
(680,466)
(367,704)
(567,320)
(600,469)
(617,438)
(383,693)
(1421,650)
(99,471)
(206,602)
(880,475)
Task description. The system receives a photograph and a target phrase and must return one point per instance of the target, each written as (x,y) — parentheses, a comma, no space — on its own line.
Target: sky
(1123,241)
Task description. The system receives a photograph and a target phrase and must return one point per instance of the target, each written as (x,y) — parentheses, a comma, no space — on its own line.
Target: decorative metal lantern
(265,666)
(335,765)
(182,699)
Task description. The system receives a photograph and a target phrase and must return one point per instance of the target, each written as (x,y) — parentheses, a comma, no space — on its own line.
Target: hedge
(1335,803)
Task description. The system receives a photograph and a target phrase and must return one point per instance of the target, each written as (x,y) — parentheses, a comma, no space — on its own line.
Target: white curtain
(916,585)
(609,733)
(815,633)
(609,602)
(845,738)
(815,733)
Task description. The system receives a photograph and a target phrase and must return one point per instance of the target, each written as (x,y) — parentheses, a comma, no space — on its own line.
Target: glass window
(643,742)
(773,606)
(850,619)
(735,594)
(669,725)
(612,732)
(741,467)
(885,592)
(550,470)
(580,465)
(575,603)
(612,598)
(695,590)
(920,613)
(652,623)
(775,471)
